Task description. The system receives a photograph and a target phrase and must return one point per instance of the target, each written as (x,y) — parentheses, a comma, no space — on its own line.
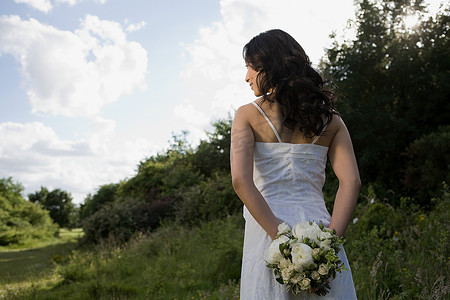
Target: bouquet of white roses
(305,258)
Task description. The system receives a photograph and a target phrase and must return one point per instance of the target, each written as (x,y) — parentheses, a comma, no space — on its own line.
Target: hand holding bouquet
(305,258)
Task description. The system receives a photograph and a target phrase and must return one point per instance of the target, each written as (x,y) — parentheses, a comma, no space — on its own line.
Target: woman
(279,149)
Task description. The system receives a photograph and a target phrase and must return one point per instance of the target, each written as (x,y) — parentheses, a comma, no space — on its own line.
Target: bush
(105,194)
(428,164)
(22,222)
(211,199)
(400,252)
(120,221)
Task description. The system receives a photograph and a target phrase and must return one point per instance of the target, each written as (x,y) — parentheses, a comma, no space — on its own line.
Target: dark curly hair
(285,69)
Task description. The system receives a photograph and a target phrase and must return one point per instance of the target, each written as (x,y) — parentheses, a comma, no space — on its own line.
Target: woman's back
(290,177)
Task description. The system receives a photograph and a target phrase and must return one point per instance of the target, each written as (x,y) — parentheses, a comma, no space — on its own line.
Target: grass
(395,253)
(401,253)
(175,262)
(32,266)
(64,236)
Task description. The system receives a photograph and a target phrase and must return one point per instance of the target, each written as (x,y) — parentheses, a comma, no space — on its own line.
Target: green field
(173,262)
(32,267)
(387,249)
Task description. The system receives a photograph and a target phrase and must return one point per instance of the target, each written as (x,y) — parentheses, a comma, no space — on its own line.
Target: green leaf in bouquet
(279,279)
(331,255)
(285,246)
(322,289)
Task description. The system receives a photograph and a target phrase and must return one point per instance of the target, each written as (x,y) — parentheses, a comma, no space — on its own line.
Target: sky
(89,88)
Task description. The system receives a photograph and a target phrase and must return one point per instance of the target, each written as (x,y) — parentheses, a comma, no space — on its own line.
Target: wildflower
(395,238)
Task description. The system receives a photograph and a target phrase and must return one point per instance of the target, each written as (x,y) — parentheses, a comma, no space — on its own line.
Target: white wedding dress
(290,177)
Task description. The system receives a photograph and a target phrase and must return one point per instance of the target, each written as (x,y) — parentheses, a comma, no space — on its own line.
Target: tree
(394,83)
(21,221)
(213,154)
(58,202)
(105,194)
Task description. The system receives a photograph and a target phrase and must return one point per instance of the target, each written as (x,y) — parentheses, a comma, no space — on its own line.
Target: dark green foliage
(58,203)
(105,194)
(21,222)
(394,84)
(163,174)
(213,154)
(121,220)
(401,252)
(428,161)
(212,199)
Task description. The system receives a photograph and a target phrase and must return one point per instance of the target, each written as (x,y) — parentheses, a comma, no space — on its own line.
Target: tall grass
(395,253)
(401,253)
(174,262)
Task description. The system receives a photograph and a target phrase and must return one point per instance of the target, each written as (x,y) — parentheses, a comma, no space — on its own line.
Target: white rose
(301,255)
(284,263)
(305,230)
(315,252)
(283,228)
(286,274)
(315,275)
(298,277)
(323,269)
(273,255)
(305,284)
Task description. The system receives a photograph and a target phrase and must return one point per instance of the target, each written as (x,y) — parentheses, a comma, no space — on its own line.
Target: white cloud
(69,2)
(42,5)
(46,5)
(38,139)
(135,26)
(187,112)
(35,155)
(74,73)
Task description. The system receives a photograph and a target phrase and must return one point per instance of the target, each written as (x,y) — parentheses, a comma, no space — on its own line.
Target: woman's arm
(241,157)
(343,161)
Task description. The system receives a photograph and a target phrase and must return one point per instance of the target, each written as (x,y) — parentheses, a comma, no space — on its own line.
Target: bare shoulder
(246,108)
(245,112)
(336,125)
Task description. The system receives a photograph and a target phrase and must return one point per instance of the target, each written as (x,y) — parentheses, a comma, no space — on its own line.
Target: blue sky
(92,87)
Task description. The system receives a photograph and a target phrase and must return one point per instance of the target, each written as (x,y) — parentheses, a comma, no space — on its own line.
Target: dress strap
(317,137)
(268,121)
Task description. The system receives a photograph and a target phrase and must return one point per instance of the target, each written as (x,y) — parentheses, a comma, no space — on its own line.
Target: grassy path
(24,268)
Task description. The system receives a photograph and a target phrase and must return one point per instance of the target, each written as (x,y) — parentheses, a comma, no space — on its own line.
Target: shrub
(211,199)
(428,164)
(400,252)
(22,222)
(121,220)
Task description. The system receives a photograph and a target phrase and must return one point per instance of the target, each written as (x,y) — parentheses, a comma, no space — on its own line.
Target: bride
(279,149)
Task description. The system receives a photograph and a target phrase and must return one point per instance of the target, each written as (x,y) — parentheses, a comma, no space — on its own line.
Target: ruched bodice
(290,177)
(297,171)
